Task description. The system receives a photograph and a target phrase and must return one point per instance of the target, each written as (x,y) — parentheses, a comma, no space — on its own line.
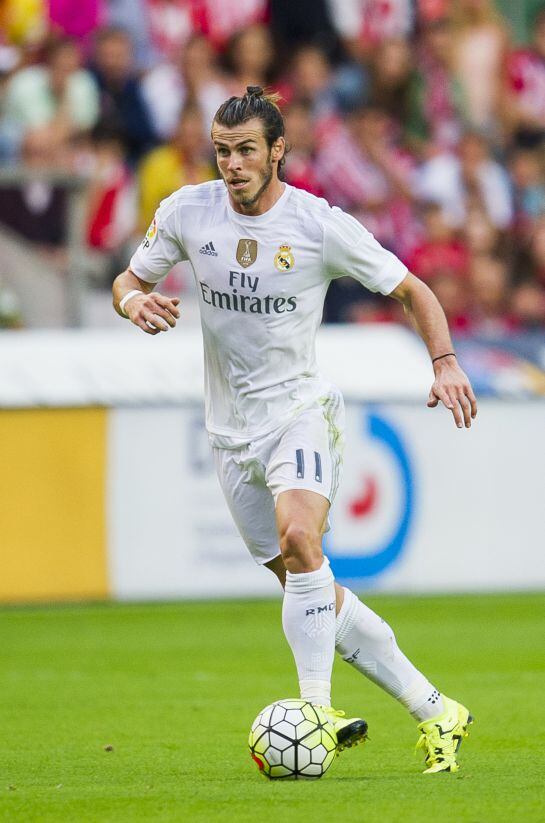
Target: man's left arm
(451,385)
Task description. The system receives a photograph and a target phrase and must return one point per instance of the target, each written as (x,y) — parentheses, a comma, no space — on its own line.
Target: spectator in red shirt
(440,249)
(221,19)
(490,296)
(362,169)
(452,292)
(442,261)
(111,204)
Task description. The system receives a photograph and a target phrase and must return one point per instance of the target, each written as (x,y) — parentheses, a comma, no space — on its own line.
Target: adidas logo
(208,248)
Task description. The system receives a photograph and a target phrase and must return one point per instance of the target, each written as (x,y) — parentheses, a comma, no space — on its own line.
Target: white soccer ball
(292,739)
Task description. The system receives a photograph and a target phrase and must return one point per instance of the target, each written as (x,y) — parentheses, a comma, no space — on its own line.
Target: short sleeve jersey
(261,283)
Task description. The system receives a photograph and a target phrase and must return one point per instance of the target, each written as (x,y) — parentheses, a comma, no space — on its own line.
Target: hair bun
(256,91)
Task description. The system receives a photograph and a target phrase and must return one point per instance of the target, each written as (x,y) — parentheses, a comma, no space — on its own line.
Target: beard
(265,177)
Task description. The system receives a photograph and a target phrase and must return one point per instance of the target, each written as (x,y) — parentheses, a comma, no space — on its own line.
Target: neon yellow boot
(441,737)
(350,731)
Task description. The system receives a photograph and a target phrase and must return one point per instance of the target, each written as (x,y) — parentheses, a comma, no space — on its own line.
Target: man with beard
(263,254)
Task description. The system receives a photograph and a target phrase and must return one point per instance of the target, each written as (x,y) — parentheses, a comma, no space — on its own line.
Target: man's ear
(278,148)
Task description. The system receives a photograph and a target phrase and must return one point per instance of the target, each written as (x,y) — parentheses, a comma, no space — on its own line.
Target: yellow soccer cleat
(349,732)
(442,736)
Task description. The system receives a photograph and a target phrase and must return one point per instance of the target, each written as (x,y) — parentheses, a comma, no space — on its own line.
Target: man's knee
(301,548)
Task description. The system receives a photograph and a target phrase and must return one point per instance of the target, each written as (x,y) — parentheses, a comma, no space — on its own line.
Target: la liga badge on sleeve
(150,235)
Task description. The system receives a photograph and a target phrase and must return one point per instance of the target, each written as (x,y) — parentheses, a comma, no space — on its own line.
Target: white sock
(365,641)
(308,618)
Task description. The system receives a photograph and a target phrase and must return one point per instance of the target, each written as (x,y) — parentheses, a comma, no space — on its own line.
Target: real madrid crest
(284,259)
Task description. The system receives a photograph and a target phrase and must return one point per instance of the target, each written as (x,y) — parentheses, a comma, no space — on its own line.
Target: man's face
(244,159)
(114,57)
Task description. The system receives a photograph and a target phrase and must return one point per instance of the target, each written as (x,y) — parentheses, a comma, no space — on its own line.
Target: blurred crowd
(422,118)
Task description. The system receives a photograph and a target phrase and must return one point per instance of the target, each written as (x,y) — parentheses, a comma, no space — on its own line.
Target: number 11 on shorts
(300,462)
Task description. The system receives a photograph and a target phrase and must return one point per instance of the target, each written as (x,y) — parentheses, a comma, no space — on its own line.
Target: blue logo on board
(373,559)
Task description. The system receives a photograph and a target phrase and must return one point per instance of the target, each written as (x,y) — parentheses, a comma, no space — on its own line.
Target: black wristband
(448,354)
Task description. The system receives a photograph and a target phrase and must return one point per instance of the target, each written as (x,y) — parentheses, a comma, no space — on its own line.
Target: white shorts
(304,454)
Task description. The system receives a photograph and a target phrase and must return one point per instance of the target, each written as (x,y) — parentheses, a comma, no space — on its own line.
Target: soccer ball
(292,739)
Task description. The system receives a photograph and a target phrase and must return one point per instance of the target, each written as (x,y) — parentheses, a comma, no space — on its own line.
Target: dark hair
(257,102)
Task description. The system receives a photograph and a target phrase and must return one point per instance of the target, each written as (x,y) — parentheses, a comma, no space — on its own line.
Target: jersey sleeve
(349,249)
(161,247)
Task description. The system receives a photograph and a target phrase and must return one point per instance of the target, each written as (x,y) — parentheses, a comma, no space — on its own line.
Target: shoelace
(332,712)
(424,743)
(336,713)
(436,745)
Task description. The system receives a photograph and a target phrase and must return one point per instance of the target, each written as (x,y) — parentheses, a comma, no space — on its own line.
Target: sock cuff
(346,616)
(308,581)
(317,692)
(416,693)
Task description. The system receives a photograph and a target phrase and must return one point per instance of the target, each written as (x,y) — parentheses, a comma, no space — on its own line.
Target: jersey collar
(257,220)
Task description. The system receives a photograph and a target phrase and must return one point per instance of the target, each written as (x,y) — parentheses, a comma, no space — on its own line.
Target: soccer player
(263,254)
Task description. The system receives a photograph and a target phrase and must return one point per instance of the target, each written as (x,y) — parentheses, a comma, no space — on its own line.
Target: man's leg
(309,607)
(253,508)
(308,612)
(365,641)
(368,643)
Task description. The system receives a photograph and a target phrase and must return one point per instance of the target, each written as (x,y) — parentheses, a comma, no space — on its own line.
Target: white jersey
(261,283)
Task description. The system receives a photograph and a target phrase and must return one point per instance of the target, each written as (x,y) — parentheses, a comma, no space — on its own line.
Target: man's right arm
(149,310)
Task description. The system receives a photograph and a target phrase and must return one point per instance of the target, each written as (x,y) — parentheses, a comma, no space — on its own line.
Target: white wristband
(125,299)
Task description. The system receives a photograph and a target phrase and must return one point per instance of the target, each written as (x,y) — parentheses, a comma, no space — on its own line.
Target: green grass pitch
(141,712)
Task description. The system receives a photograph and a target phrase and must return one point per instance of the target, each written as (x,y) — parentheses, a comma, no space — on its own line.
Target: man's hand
(452,387)
(153,312)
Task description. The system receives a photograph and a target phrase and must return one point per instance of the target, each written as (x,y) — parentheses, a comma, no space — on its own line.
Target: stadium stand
(423,118)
